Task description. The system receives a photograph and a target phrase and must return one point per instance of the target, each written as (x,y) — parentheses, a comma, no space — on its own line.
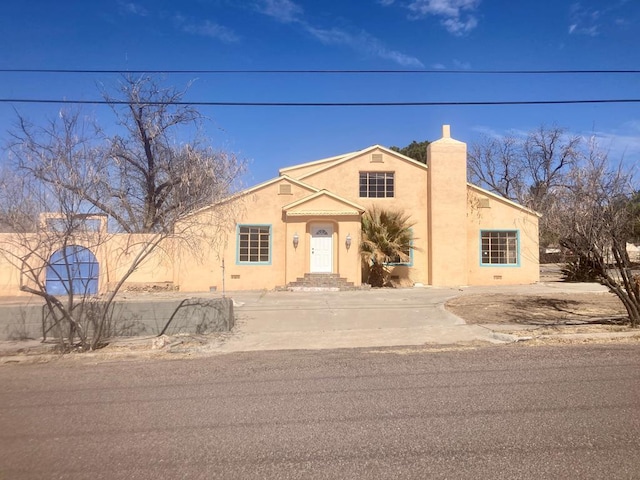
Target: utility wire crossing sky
(391,71)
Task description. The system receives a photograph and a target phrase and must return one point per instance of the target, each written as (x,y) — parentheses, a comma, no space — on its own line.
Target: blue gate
(72,270)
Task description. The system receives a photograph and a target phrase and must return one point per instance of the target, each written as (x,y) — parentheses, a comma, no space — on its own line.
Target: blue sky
(442,35)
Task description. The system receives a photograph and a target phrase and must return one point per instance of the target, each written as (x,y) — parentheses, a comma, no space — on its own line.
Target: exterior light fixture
(296,240)
(347,241)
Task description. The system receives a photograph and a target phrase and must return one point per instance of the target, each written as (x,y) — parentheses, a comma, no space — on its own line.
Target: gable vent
(376,158)
(284,189)
(484,203)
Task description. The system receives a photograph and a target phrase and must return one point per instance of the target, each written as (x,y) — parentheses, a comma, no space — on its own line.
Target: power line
(327,104)
(328,72)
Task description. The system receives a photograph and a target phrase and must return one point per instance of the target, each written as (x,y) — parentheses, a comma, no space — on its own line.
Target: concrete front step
(313,282)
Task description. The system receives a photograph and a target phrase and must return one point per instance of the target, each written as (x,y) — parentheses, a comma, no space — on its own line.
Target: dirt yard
(539,310)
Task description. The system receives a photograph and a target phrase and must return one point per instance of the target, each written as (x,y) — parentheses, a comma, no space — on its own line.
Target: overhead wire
(327,71)
(329,104)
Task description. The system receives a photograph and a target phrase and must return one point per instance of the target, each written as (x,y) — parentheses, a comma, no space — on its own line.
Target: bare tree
(496,164)
(144,181)
(593,221)
(548,153)
(526,169)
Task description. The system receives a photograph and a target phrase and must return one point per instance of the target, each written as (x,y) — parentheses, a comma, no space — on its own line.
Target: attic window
(376,158)
(285,189)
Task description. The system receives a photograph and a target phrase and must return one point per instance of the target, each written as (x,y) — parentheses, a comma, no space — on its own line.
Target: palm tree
(386,238)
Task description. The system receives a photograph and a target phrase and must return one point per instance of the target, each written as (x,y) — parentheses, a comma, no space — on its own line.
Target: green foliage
(386,237)
(415,150)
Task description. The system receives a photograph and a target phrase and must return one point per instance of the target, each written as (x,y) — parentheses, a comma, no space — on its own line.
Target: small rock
(160,342)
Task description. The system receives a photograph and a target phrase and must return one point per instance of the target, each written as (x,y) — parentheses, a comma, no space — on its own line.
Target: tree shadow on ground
(555,311)
(539,310)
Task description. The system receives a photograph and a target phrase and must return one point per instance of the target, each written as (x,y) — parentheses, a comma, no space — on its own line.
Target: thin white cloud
(385,3)
(284,11)
(458,26)
(131,8)
(460,65)
(621,144)
(585,20)
(362,42)
(456,16)
(206,29)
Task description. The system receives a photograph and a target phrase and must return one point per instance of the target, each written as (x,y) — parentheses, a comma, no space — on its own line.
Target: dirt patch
(540,310)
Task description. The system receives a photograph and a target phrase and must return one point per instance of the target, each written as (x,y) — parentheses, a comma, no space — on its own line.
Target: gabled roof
(283,171)
(250,190)
(276,180)
(503,200)
(330,162)
(343,206)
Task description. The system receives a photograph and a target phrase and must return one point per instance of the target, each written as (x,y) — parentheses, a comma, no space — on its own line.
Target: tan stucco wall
(263,206)
(120,252)
(447,162)
(9,274)
(488,212)
(114,253)
(410,197)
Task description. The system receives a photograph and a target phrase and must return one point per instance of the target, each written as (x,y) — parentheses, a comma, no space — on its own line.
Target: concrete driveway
(367,318)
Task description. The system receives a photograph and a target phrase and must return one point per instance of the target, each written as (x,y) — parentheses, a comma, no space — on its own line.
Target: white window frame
(250,251)
(370,182)
(500,248)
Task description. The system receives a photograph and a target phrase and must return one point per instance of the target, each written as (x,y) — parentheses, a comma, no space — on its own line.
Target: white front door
(321,248)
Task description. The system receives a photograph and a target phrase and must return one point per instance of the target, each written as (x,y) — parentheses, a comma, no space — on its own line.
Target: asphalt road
(490,413)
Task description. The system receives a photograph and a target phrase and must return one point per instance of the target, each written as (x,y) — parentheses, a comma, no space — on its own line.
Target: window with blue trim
(254,244)
(398,262)
(499,247)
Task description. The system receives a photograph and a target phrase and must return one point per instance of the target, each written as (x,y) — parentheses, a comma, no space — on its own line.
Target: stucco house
(306,223)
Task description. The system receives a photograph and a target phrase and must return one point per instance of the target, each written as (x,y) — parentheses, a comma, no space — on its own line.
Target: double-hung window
(499,247)
(254,244)
(377,184)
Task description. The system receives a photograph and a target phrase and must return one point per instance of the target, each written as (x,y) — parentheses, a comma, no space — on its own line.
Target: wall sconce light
(296,240)
(347,241)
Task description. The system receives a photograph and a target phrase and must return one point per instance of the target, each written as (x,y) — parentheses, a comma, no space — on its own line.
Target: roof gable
(323,202)
(347,157)
(503,200)
(276,180)
(304,170)
(294,170)
(254,189)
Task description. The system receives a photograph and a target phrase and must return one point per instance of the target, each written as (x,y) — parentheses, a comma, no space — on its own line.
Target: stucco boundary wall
(131,318)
